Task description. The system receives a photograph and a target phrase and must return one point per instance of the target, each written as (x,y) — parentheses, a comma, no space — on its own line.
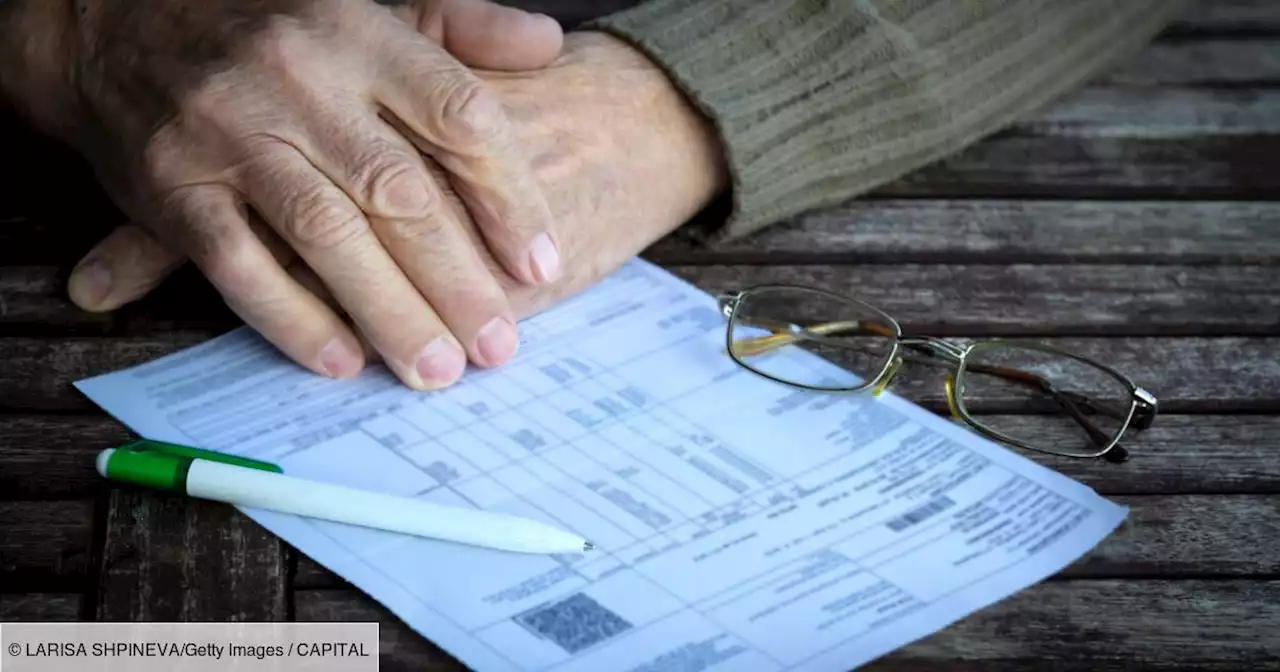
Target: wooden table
(1136,221)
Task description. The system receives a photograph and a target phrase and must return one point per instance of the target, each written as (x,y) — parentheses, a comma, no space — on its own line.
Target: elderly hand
(231,127)
(623,158)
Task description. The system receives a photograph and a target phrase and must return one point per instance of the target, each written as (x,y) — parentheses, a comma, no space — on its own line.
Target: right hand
(232,128)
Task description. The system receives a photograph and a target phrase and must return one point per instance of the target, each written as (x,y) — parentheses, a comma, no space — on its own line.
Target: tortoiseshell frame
(1139,416)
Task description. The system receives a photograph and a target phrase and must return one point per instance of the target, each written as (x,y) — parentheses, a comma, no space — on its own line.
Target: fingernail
(544,258)
(497,341)
(340,359)
(441,362)
(546,19)
(91,283)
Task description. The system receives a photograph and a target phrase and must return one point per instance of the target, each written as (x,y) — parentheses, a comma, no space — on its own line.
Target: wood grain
(176,559)
(1004,231)
(39,607)
(1027,299)
(943,299)
(1187,374)
(1229,16)
(1247,63)
(1088,625)
(44,545)
(51,457)
(1238,167)
(1176,536)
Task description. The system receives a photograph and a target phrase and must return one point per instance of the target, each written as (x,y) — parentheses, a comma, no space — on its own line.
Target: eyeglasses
(1029,395)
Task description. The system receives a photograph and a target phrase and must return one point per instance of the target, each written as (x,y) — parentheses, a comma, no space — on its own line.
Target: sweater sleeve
(819,101)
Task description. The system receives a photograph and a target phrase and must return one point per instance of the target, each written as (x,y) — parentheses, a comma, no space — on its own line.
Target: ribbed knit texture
(819,101)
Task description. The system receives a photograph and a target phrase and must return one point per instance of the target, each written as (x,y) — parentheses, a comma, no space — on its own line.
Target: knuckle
(225,261)
(393,187)
(319,221)
(470,112)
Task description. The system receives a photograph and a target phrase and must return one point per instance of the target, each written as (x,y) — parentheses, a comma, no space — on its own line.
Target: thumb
(484,34)
(121,268)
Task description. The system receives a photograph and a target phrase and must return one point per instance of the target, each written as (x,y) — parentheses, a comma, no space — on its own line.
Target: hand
(623,158)
(232,128)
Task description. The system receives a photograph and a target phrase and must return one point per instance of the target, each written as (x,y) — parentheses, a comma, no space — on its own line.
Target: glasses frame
(1141,413)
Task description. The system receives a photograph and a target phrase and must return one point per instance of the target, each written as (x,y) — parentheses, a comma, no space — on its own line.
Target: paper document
(740,524)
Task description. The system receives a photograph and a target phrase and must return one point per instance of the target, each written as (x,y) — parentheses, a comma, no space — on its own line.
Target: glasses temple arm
(1064,399)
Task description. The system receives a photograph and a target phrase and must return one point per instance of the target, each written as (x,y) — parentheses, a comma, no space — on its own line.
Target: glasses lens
(786,333)
(1043,399)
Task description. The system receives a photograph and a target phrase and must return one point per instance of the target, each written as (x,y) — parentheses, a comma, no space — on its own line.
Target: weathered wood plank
(1253,63)
(44,545)
(35,299)
(1200,375)
(1227,16)
(1004,231)
(1024,299)
(39,607)
(1013,166)
(51,457)
(1178,454)
(1111,625)
(1114,112)
(979,299)
(1175,536)
(176,559)
(40,372)
(1064,626)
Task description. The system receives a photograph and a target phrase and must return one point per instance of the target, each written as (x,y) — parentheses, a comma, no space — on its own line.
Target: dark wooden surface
(1137,220)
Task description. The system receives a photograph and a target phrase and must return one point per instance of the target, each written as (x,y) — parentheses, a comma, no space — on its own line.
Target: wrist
(35,48)
(656,130)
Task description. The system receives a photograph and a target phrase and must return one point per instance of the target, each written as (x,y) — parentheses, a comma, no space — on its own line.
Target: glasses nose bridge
(936,347)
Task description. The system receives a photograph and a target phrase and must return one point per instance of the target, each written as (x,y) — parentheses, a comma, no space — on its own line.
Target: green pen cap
(164,466)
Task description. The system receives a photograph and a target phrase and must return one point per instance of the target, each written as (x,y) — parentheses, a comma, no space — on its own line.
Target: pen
(246,482)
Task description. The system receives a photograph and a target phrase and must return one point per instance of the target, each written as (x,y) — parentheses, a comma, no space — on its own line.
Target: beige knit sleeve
(819,101)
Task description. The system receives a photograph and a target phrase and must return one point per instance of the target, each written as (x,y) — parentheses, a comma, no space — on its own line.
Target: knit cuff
(817,102)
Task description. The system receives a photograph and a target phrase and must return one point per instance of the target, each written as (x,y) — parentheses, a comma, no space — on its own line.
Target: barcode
(574,623)
(921,514)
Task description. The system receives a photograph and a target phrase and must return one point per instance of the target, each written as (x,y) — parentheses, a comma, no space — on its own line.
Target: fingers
(454,118)
(331,234)
(488,35)
(120,269)
(421,229)
(212,229)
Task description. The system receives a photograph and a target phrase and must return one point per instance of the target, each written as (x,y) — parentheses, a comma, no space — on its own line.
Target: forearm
(818,102)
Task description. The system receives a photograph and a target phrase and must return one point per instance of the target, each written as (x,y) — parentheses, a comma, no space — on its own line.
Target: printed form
(740,524)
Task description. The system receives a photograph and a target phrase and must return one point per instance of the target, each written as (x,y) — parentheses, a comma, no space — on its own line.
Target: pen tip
(586,546)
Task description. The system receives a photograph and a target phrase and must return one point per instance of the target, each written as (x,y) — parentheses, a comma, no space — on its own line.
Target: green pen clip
(164,466)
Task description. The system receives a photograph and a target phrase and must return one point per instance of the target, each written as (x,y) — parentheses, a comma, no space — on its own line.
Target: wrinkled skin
(227,128)
(623,158)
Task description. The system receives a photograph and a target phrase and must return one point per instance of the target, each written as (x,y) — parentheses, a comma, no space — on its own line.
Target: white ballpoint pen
(261,485)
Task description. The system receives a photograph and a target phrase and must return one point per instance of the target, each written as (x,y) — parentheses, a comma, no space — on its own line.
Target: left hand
(621,155)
